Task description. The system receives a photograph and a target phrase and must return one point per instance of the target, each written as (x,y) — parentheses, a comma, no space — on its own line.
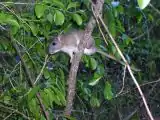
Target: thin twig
(41,72)
(131,114)
(128,117)
(155,9)
(9,115)
(147,83)
(115,59)
(99,27)
(15,111)
(129,69)
(124,74)
(18,3)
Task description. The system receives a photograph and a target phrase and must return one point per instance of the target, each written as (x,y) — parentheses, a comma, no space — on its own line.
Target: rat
(69,42)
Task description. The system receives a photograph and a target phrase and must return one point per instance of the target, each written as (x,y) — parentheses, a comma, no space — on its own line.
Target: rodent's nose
(50,50)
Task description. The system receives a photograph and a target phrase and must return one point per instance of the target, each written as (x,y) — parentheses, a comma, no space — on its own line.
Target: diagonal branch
(129,69)
(97,5)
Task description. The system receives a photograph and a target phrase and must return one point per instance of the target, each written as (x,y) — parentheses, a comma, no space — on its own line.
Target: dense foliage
(31,25)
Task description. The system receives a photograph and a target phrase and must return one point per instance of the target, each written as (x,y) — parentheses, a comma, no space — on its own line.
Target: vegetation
(33,85)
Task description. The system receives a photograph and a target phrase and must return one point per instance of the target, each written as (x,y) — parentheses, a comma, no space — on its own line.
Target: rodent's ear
(59,38)
(51,38)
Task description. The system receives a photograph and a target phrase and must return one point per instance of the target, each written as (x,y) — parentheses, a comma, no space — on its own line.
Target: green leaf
(60,96)
(72,5)
(94,102)
(70,118)
(120,9)
(143,3)
(39,10)
(117,55)
(113,49)
(45,98)
(50,17)
(6,99)
(77,18)
(126,39)
(13,22)
(93,63)
(87,3)
(50,96)
(95,79)
(34,28)
(14,30)
(59,18)
(34,108)
(150,17)
(112,28)
(58,3)
(46,74)
(100,70)
(8,19)
(3,17)
(108,95)
(33,92)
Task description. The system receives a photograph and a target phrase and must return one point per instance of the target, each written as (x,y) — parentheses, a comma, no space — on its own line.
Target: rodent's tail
(107,55)
(114,58)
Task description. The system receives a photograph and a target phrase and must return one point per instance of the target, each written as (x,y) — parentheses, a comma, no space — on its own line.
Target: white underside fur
(70,49)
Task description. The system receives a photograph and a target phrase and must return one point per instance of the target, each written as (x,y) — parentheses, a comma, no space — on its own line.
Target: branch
(31,78)
(97,5)
(155,9)
(136,109)
(124,75)
(15,111)
(129,69)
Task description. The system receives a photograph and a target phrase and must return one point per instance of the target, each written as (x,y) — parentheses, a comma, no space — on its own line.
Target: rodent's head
(55,45)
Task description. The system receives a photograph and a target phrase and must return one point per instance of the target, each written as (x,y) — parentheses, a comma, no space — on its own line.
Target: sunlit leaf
(50,17)
(34,108)
(143,3)
(34,28)
(13,22)
(14,30)
(45,99)
(93,63)
(46,74)
(62,97)
(59,18)
(72,5)
(58,3)
(94,102)
(33,92)
(6,19)
(50,96)
(108,95)
(59,97)
(95,79)
(77,18)
(39,10)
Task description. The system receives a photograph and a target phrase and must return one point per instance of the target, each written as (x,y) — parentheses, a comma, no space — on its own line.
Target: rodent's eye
(53,43)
